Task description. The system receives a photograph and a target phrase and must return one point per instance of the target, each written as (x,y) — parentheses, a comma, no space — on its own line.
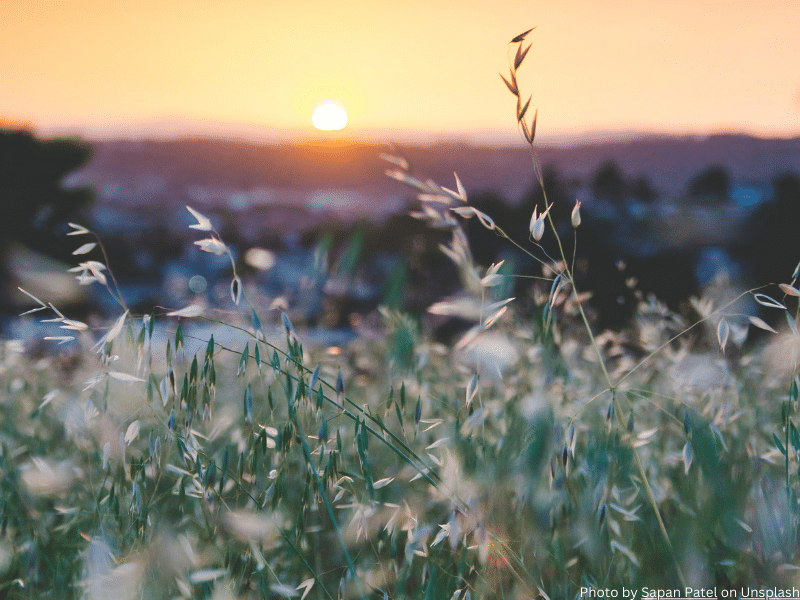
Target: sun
(329,115)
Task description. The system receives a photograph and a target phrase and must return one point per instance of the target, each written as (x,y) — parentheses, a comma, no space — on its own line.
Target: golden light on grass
(329,115)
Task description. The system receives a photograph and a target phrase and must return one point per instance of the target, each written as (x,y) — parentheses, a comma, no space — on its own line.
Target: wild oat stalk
(430,193)
(437,209)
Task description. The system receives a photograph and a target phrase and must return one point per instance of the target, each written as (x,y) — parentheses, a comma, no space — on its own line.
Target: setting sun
(329,115)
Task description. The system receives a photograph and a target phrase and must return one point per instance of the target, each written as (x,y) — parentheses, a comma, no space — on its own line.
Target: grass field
(211,452)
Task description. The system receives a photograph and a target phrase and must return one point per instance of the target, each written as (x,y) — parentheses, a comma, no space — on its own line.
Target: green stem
(327,502)
(405,452)
(651,498)
(611,386)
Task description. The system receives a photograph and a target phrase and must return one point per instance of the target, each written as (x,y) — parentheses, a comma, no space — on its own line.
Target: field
(217,451)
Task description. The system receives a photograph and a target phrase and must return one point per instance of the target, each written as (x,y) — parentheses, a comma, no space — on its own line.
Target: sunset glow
(109,68)
(329,116)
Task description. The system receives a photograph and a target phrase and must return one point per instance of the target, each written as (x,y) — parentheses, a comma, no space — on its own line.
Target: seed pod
(576,214)
(537,223)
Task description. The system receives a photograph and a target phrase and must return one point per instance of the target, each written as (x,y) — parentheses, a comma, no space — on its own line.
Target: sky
(105,68)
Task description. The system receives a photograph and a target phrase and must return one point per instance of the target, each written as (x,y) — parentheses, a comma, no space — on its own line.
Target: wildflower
(576,214)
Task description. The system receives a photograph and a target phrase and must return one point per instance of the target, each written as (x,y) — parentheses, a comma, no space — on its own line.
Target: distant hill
(291,196)
(212,171)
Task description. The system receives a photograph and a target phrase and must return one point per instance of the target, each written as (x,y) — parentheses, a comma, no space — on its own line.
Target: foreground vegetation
(208,452)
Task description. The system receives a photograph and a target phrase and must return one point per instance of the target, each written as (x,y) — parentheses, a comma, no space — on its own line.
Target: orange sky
(666,66)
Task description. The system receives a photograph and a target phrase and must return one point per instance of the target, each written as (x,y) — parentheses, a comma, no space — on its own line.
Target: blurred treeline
(764,249)
(37,206)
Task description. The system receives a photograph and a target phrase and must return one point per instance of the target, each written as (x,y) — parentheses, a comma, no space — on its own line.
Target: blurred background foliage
(35,203)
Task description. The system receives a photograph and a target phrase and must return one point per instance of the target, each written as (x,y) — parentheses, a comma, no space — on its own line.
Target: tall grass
(207,452)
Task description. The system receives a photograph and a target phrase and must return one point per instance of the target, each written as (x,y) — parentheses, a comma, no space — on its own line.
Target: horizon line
(167,129)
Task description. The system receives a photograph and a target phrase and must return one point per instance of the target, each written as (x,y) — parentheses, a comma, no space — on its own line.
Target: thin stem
(611,385)
(569,275)
(411,457)
(651,498)
(118,298)
(647,358)
(327,502)
(574,249)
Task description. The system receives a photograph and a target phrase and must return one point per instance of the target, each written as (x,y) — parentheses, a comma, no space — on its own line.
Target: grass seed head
(575,219)
(520,55)
(512,85)
(521,36)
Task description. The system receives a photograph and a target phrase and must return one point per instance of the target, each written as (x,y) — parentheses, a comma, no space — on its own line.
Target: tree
(642,189)
(608,183)
(770,247)
(713,183)
(34,203)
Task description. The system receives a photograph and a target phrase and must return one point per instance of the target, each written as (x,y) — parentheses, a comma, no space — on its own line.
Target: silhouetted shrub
(608,182)
(714,183)
(35,204)
(769,250)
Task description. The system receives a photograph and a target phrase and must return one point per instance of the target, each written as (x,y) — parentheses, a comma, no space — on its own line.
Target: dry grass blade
(512,86)
(212,245)
(61,339)
(722,334)
(236,290)
(462,193)
(404,177)
(493,318)
(472,389)
(526,132)
(74,325)
(287,326)
(132,432)
(92,266)
(521,36)
(115,330)
(55,310)
(306,587)
(42,305)
(193,310)
(400,156)
(120,376)
(395,160)
(203,222)
(85,249)
(496,305)
(522,110)
(765,300)
(32,297)
(79,229)
(761,324)
(48,397)
(791,322)
(575,217)
(554,289)
(492,280)
(439,198)
(521,55)
(688,456)
(469,211)
(494,268)
(206,575)
(533,126)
